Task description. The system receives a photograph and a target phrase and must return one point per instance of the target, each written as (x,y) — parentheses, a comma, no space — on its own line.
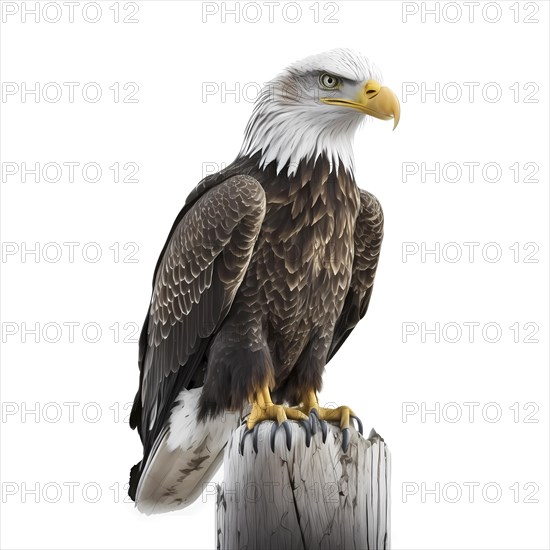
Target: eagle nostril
(370,92)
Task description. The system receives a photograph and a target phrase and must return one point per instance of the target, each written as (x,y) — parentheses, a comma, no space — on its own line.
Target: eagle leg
(263,408)
(322,414)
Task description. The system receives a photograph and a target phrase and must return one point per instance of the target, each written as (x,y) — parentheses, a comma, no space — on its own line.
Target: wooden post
(306,498)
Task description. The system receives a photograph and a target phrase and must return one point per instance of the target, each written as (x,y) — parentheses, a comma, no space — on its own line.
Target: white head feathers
(290,123)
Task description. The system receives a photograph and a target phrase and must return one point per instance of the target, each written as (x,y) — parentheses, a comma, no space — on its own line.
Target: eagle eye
(328,81)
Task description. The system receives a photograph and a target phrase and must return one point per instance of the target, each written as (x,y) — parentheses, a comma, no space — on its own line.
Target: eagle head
(314,107)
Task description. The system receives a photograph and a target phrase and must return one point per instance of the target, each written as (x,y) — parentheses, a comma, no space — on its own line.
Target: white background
(171,52)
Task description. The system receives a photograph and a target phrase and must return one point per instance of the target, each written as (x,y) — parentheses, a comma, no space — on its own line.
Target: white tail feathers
(185,457)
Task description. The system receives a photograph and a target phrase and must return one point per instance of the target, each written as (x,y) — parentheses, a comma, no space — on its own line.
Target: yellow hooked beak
(374,100)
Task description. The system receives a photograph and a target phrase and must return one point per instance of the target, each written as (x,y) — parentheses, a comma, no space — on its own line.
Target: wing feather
(200,271)
(369,231)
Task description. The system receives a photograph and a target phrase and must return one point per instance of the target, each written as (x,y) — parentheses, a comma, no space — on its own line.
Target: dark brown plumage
(261,280)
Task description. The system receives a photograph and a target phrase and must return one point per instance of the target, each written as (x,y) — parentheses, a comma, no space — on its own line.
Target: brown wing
(369,231)
(197,277)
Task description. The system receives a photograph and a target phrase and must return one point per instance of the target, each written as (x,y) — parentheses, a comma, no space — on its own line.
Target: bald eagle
(266,271)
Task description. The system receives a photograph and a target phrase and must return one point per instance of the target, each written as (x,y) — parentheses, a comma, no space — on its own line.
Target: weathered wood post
(306,498)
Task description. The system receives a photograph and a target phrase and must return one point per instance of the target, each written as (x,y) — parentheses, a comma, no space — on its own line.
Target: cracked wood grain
(312,498)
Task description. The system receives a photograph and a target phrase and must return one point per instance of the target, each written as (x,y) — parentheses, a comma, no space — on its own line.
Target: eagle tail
(186,455)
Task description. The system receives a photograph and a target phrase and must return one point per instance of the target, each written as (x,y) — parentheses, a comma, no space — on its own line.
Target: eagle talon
(255,433)
(314,420)
(241,444)
(345,439)
(308,428)
(272,436)
(318,416)
(359,423)
(324,430)
(288,434)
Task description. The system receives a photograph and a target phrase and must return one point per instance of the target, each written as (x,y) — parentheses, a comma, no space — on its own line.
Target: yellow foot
(263,408)
(321,415)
